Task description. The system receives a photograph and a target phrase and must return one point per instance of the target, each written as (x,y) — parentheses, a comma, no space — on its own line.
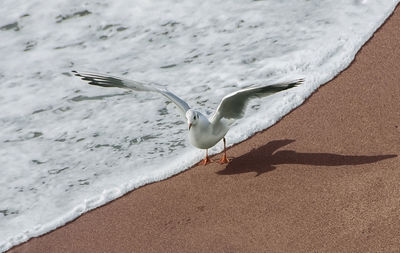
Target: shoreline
(324,177)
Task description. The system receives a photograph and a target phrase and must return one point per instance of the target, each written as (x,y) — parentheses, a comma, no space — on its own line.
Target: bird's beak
(190,125)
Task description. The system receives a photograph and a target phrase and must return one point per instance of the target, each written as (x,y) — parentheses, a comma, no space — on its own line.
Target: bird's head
(192,118)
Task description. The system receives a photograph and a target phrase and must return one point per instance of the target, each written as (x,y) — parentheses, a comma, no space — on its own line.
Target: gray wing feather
(233,105)
(112,81)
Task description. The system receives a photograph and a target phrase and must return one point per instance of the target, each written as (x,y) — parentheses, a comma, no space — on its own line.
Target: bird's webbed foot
(224,159)
(206,161)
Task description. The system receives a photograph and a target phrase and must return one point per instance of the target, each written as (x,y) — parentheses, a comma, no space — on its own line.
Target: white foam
(67,147)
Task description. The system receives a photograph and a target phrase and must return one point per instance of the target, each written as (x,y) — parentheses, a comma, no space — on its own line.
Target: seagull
(204,132)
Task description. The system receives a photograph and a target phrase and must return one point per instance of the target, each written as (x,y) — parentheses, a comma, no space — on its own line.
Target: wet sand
(325,178)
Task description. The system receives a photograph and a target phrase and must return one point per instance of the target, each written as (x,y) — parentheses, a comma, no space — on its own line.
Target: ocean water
(67,147)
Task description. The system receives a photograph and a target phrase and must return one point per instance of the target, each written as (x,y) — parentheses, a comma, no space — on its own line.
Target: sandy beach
(323,179)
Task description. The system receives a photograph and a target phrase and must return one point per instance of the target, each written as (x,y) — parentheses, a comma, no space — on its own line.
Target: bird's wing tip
(299,81)
(76,73)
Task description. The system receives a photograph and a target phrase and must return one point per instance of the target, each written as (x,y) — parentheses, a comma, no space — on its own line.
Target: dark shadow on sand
(261,160)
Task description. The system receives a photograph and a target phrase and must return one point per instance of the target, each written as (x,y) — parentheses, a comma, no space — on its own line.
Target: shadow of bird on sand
(262,159)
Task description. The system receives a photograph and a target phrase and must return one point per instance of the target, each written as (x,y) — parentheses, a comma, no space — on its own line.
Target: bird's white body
(203,132)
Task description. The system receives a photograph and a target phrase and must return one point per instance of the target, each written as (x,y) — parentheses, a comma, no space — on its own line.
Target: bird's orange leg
(206,160)
(224,159)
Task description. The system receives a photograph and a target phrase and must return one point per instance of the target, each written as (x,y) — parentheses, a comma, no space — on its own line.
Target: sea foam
(67,147)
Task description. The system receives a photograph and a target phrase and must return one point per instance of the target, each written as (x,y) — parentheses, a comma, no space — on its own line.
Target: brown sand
(325,178)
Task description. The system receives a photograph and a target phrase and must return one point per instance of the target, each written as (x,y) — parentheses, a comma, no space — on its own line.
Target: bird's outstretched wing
(233,105)
(112,81)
